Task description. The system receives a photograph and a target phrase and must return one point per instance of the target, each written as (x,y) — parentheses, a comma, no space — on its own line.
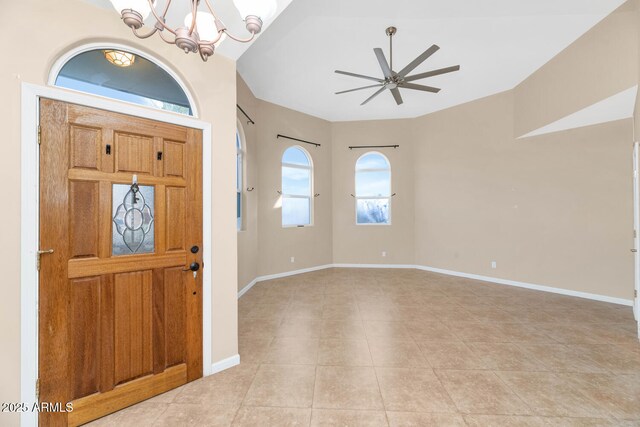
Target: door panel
(117,329)
(86,147)
(134,153)
(85,344)
(132,295)
(174,165)
(84,233)
(176,214)
(175,317)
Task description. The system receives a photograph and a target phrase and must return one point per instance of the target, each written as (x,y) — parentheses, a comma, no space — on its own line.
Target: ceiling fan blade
(346,73)
(383,62)
(374,95)
(420,87)
(419,60)
(396,94)
(432,73)
(360,88)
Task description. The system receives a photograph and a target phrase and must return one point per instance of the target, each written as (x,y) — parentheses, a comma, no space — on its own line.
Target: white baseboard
(406,266)
(247,288)
(293,273)
(224,364)
(532,286)
(281,275)
(542,288)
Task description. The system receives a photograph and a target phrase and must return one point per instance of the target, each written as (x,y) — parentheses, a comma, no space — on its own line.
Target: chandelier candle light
(203,31)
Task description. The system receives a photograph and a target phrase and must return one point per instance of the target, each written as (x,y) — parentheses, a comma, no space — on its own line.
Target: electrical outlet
(384,253)
(293,259)
(494,264)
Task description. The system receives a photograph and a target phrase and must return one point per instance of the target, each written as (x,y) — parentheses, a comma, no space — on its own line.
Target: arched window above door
(125,75)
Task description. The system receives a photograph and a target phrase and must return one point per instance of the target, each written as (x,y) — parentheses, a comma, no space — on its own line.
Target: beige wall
(637,111)
(248,235)
(553,210)
(310,246)
(601,63)
(54,27)
(364,244)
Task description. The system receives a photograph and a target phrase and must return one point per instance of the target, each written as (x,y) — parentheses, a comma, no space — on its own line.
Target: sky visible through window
(296,188)
(81,86)
(373,189)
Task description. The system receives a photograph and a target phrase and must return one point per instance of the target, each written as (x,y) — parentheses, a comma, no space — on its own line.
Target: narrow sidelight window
(239,171)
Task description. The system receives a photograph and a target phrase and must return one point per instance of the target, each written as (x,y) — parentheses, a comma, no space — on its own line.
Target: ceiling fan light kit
(393,80)
(203,31)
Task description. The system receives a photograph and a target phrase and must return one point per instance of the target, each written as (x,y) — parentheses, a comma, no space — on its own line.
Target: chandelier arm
(144,36)
(166,40)
(194,12)
(166,9)
(232,37)
(160,20)
(211,43)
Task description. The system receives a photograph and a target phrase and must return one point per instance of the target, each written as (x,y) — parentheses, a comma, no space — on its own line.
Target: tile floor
(347,347)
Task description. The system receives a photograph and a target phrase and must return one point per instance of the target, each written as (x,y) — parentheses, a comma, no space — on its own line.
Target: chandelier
(203,31)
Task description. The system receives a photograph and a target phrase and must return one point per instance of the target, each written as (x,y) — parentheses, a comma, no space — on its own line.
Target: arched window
(297,177)
(123,75)
(373,189)
(239,172)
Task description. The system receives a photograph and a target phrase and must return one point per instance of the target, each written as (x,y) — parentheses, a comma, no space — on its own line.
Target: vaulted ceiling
(225,10)
(498,43)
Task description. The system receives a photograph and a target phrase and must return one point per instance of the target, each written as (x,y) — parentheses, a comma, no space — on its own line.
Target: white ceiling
(225,10)
(498,43)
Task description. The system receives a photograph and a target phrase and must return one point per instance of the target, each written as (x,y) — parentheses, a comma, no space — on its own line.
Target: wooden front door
(120,320)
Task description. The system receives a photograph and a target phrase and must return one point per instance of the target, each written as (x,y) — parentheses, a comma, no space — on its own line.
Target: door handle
(634,250)
(193,267)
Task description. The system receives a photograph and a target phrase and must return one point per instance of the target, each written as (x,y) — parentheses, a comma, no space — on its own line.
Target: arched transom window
(297,184)
(373,189)
(126,76)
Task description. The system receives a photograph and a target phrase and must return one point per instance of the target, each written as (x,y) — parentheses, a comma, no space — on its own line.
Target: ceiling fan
(395,80)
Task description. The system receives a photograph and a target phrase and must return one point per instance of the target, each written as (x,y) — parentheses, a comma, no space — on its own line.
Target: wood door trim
(100,404)
(124,178)
(87,267)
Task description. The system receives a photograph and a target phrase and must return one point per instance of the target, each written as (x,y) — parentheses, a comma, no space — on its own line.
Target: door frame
(30,222)
(636,231)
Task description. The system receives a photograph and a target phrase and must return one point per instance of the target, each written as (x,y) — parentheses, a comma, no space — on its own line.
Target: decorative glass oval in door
(133,210)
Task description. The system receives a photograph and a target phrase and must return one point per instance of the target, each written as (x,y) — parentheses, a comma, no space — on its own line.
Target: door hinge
(38,389)
(39,254)
(635,293)
(39,135)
